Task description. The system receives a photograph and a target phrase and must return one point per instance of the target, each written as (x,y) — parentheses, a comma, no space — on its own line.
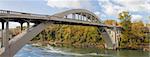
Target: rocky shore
(75,45)
(145,47)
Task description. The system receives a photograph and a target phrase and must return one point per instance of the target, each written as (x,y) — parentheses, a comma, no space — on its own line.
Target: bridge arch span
(82,12)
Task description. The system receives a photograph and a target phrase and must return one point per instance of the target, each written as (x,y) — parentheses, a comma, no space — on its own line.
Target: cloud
(64,3)
(113,7)
(135,5)
(83,4)
(97,13)
(136,18)
(74,4)
(106,8)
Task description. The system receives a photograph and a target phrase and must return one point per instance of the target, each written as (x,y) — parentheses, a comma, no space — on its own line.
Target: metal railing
(21,14)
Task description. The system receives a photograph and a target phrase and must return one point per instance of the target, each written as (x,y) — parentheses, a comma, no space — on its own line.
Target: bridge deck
(20,16)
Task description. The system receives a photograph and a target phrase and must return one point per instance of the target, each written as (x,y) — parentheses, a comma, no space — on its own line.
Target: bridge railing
(21,14)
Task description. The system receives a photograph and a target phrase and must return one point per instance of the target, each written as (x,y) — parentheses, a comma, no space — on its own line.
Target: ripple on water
(49,51)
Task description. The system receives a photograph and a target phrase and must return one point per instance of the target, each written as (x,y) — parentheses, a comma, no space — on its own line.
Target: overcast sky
(105,9)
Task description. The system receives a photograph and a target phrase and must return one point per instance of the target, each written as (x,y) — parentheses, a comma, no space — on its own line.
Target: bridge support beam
(110,37)
(21,25)
(78,17)
(16,43)
(28,24)
(6,35)
(2,33)
(81,16)
(86,17)
(5,38)
(73,16)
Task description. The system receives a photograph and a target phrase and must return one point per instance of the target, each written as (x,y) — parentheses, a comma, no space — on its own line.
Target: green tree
(133,34)
(125,19)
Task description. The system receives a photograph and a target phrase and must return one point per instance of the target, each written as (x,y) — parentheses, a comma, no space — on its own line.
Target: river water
(49,51)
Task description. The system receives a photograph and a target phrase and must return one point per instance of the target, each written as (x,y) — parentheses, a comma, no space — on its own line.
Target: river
(49,51)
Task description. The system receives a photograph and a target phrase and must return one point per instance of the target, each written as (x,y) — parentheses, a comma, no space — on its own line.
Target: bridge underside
(15,44)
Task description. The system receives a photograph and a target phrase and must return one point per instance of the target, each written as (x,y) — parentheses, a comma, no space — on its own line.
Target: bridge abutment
(111,36)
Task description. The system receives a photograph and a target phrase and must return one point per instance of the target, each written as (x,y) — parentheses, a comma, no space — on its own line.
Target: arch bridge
(11,45)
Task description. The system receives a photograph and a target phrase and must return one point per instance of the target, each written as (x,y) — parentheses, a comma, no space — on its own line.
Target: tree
(110,22)
(125,19)
(137,32)
(133,34)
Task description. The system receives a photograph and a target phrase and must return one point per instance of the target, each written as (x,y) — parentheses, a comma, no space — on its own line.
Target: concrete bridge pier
(21,25)
(110,36)
(2,35)
(5,38)
(28,24)
(22,22)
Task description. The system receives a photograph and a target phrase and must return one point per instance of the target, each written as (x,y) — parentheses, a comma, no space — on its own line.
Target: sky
(105,9)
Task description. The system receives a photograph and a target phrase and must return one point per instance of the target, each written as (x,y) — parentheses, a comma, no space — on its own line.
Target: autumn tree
(125,19)
(110,22)
(133,33)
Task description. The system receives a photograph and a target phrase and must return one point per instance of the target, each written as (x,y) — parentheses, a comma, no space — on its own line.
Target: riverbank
(67,44)
(144,47)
